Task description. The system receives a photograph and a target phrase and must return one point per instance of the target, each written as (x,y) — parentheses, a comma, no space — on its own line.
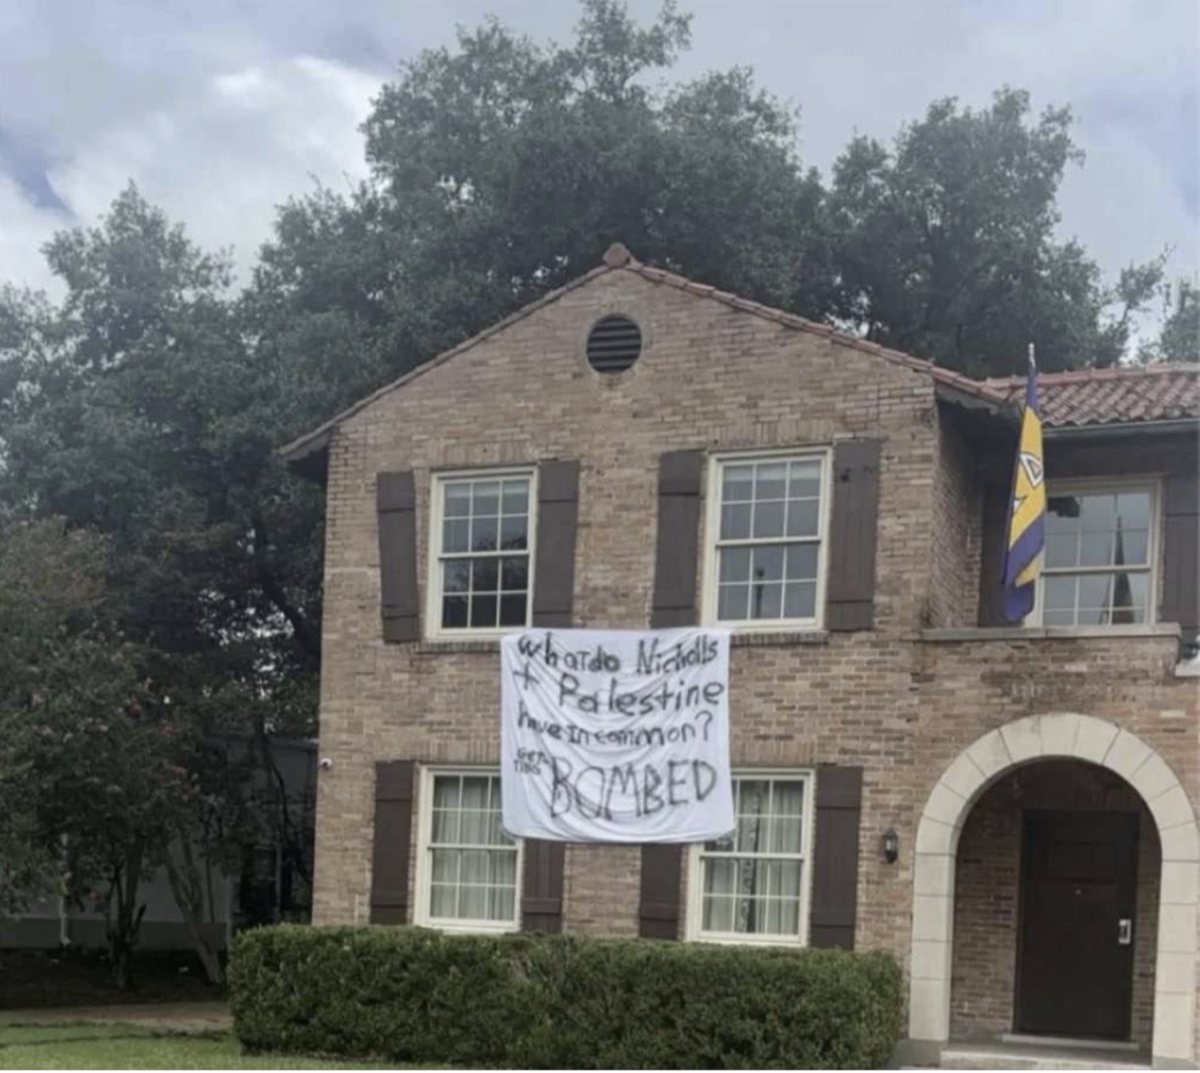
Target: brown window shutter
(557,519)
(542,886)
(850,587)
(679,477)
(396,507)
(658,911)
(835,857)
(393,841)
(991,555)
(1181,579)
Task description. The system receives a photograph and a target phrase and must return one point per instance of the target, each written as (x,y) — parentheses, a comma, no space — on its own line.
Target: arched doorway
(963,783)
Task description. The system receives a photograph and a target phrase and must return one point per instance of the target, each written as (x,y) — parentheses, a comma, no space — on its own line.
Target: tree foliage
(135,411)
(945,245)
(1179,340)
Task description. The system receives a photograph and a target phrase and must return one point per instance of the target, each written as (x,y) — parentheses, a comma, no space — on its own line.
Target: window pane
(456,534)
(513,609)
(1132,547)
(445,865)
(1062,549)
(472,903)
(504,868)
(1059,593)
(514,533)
(732,603)
(768,519)
(483,612)
(485,575)
(735,521)
(446,791)
(485,498)
(514,573)
(516,496)
(802,518)
(737,483)
(802,562)
(456,575)
(789,917)
(768,563)
(1129,597)
(785,834)
(770,480)
(445,826)
(787,798)
(501,903)
(1133,510)
(483,534)
(457,502)
(752,796)
(454,612)
(1094,593)
(1062,514)
(720,876)
(804,479)
(766,601)
(475,791)
(784,879)
(473,827)
(1059,618)
(1095,548)
(1098,512)
(735,564)
(800,599)
(443,901)
(718,914)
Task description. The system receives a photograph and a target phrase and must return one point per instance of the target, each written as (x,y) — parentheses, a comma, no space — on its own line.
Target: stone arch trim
(1058,736)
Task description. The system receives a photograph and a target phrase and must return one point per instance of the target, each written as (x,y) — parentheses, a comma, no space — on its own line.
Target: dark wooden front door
(1075,956)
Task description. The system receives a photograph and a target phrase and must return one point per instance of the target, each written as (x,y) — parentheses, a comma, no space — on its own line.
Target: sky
(221,110)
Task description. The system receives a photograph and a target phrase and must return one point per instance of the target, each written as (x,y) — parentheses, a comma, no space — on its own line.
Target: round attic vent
(614,344)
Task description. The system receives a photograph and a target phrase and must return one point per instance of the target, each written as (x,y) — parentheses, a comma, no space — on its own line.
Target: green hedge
(413,995)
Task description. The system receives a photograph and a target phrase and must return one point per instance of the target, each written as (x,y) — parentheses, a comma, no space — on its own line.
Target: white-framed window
(468,870)
(765,550)
(481,543)
(753,886)
(1099,565)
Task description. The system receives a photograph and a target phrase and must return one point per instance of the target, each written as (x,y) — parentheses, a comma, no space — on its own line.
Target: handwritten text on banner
(616,735)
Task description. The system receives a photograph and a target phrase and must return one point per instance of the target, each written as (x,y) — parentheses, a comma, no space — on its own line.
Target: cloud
(220,112)
(211,124)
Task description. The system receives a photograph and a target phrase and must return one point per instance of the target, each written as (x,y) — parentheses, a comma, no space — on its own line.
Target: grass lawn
(114,1046)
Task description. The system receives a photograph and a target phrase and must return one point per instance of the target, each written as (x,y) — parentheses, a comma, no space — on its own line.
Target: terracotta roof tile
(1112,396)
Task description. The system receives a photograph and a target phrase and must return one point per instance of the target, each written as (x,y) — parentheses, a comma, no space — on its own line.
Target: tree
(1179,339)
(135,410)
(502,169)
(945,246)
(51,582)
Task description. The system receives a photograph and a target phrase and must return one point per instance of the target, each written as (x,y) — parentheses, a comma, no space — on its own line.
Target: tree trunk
(189,898)
(124,925)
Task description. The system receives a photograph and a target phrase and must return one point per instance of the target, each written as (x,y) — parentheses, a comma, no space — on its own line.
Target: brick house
(643,451)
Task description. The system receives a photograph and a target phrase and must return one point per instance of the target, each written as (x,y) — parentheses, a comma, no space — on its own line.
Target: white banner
(616,735)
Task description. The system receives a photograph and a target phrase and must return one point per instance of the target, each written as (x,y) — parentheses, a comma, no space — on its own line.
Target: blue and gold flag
(1026,534)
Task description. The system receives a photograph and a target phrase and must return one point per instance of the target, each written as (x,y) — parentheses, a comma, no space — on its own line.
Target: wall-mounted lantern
(891,845)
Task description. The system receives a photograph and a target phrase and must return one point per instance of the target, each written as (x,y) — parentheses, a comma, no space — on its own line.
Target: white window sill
(1047,633)
(469,928)
(784,942)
